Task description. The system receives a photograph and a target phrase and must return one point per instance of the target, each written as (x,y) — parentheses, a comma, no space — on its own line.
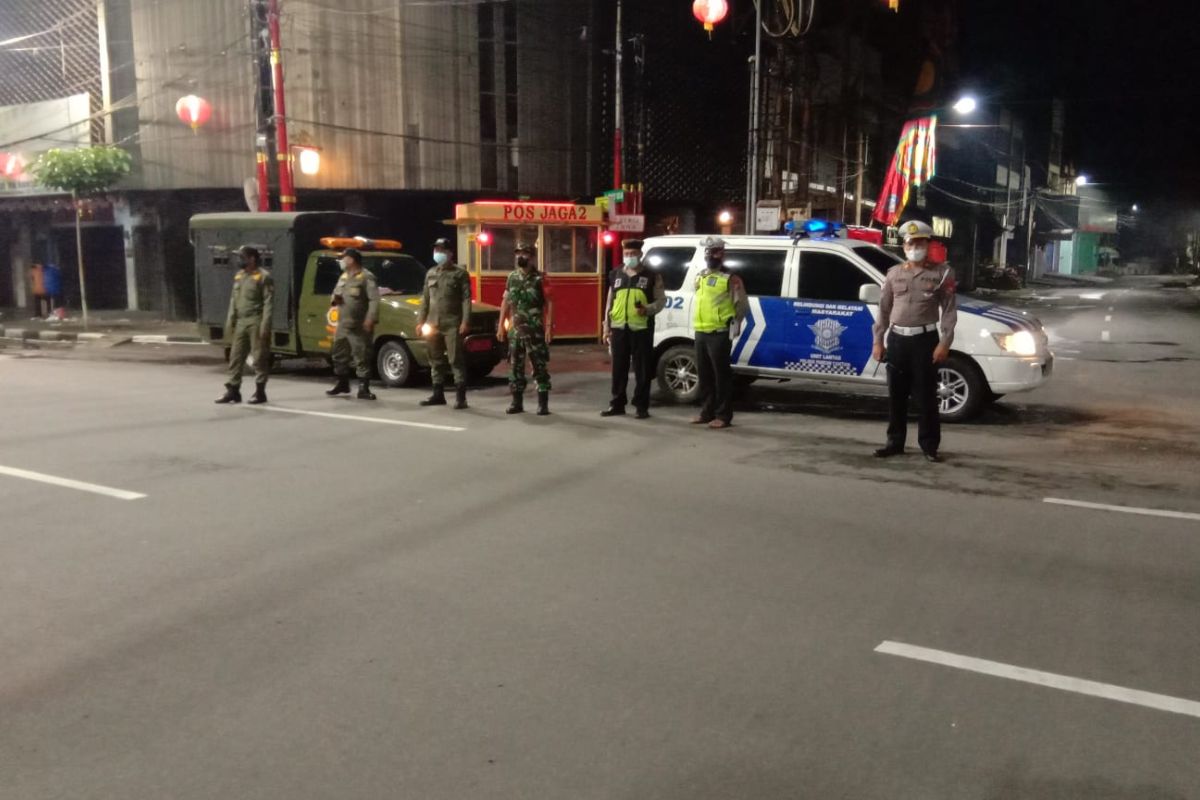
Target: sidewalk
(106,327)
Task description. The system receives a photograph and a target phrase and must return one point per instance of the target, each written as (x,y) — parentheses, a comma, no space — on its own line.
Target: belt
(915,331)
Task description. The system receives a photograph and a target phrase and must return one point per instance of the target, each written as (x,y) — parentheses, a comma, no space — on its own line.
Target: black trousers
(634,347)
(911,371)
(716,375)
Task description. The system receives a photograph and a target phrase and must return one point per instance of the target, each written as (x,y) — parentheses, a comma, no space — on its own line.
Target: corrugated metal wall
(388,89)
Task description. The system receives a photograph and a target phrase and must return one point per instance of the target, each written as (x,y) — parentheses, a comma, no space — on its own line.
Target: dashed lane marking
(67,483)
(1146,512)
(356,418)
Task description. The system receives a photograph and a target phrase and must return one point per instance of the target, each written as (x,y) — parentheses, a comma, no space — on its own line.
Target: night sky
(1128,72)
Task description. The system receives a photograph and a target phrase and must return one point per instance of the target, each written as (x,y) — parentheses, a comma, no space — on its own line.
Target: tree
(82,171)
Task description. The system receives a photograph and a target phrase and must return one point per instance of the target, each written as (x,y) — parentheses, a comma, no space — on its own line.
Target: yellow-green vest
(627,292)
(713,305)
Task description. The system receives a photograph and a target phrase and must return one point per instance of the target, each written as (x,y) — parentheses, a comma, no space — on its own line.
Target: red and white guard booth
(570,239)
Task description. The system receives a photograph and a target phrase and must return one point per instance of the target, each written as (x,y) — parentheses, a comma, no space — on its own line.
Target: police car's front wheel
(677,374)
(962,389)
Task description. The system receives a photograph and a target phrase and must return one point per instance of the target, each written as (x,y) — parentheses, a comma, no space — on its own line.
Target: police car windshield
(396,274)
(877,257)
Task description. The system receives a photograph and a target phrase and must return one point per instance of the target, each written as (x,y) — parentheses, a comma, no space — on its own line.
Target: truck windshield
(396,274)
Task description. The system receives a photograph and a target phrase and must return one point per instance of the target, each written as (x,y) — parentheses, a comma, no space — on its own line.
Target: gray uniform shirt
(913,296)
(359,295)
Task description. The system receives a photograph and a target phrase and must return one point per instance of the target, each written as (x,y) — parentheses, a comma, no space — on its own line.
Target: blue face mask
(441,258)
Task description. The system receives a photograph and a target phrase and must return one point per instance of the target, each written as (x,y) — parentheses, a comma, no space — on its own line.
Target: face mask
(522,262)
(916,254)
(440,258)
(714,261)
(632,261)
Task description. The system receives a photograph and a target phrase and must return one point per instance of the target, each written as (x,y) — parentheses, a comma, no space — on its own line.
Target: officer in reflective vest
(719,305)
(635,295)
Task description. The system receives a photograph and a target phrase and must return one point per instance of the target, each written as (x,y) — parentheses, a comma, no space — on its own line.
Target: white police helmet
(915,229)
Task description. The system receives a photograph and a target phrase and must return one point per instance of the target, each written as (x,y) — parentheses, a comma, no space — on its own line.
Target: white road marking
(996,669)
(1092,296)
(1112,308)
(1108,318)
(1105,336)
(356,418)
(1147,512)
(67,483)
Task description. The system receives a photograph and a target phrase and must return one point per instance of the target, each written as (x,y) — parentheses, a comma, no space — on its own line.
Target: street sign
(615,195)
(627,223)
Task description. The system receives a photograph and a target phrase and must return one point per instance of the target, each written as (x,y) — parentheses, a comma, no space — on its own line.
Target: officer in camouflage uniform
(356,297)
(446,308)
(532,316)
(249,325)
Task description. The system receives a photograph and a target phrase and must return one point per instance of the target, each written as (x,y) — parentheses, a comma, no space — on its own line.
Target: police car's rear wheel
(394,364)
(678,376)
(962,390)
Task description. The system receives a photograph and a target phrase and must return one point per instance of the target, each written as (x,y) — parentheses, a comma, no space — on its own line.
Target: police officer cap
(713,243)
(915,229)
(443,243)
(631,244)
(248,251)
(525,247)
(352,252)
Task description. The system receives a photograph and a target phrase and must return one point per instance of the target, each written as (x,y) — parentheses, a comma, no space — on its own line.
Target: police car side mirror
(869,293)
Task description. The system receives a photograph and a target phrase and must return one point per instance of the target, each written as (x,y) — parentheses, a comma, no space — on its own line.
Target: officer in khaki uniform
(356,298)
(249,325)
(446,311)
(916,300)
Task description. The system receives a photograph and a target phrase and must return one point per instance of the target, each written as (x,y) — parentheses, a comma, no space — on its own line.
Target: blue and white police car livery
(813,302)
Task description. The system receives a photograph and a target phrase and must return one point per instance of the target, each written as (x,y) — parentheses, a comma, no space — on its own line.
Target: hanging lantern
(193,111)
(310,160)
(710,12)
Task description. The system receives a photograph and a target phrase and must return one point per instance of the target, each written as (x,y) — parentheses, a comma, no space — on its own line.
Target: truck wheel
(962,389)
(678,375)
(394,363)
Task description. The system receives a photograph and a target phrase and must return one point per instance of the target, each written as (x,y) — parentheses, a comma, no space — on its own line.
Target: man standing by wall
(720,306)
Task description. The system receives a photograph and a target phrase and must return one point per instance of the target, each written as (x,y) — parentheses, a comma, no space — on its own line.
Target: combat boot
(438,398)
(543,404)
(460,397)
(518,403)
(364,390)
(342,386)
(260,394)
(233,394)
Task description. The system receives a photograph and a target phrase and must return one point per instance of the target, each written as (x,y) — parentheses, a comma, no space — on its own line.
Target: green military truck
(301,250)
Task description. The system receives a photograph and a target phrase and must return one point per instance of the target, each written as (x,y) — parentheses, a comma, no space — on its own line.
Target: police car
(813,301)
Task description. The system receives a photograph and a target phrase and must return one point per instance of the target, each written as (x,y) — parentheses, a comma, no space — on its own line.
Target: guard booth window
(828,276)
(761,271)
(670,262)
(498,256)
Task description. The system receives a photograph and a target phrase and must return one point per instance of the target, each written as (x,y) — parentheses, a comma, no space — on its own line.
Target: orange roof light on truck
(360,242)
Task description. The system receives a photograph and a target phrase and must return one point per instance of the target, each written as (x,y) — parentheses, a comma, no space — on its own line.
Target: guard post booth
(570,241)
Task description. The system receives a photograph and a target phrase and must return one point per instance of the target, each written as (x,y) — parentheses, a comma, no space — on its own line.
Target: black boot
(543,404)
(438,398)
(460,397)
(518,403)
(260,394)
(233,394)
(364,390)
(342,387)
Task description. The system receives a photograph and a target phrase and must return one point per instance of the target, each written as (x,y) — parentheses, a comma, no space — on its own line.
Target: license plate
(481,345)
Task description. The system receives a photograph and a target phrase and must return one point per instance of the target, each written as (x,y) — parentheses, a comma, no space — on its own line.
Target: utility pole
(262,102)
(618,109)
(752,148)
(858,181)
(283,153)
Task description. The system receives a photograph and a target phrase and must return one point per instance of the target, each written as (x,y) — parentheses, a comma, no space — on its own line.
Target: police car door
(762,345)
(832,334)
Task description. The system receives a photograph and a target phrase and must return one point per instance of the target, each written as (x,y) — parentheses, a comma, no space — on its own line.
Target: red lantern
(193,111)
(710,12)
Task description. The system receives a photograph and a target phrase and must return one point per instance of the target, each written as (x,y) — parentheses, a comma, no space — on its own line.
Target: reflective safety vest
(714,308)
(629,291)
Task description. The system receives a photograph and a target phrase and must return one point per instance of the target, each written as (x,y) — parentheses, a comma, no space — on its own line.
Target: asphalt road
(310,606)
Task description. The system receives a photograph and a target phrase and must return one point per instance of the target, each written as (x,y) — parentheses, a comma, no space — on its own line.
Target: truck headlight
(1020,343)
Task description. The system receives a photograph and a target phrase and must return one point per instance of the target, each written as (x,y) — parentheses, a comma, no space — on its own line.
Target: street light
(725,218)
(966,105)
(1135,208)
(1081,180)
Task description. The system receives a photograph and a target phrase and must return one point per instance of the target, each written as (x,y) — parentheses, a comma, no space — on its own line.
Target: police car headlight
(1020,343)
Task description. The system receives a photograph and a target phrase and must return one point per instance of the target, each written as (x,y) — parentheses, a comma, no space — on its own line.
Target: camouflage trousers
(352,346)
(538,351)
(248,341)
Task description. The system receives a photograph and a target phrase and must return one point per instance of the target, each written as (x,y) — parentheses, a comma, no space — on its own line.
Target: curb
(165,339)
